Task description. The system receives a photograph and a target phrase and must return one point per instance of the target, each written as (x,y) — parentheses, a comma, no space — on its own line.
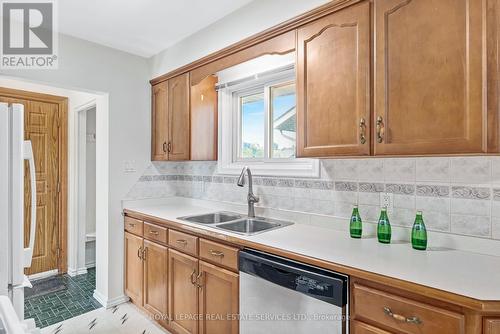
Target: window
(267,122)
(257,125)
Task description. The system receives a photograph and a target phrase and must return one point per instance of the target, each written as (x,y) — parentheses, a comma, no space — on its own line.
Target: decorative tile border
(400,189)
(367,187)
(432,190)
(496,194)
(471,192)
(346,186)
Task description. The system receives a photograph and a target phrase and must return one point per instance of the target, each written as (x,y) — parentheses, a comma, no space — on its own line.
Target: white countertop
(463,273)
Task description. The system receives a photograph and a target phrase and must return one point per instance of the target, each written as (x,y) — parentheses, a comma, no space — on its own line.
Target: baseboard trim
(108,303)
(75,272)
(45,274)
(90,265)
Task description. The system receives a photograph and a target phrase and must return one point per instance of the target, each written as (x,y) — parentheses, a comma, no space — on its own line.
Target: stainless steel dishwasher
(281,296)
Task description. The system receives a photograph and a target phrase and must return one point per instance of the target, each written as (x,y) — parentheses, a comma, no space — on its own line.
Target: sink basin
(251,226)
(212,218)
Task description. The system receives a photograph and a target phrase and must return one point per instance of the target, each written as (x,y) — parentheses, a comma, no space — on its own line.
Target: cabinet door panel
(178,99)
(183,294)
(219,300)
(333,84)
(204,120)
(428,82)
(133,268)
(155,279)
(159,126)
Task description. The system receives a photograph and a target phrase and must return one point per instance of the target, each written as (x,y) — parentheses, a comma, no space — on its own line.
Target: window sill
(298,168)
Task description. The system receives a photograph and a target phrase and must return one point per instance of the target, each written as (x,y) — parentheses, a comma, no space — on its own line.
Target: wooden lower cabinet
(133,267)
(155,280)
(358,327)
(219,300)
(183,292)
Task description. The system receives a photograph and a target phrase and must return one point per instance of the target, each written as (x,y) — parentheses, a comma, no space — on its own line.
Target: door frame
(62,102)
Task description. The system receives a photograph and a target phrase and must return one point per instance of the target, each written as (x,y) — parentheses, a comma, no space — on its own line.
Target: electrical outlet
(387,200)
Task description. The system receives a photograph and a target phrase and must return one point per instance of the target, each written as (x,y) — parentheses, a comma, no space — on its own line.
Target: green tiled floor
(57,306)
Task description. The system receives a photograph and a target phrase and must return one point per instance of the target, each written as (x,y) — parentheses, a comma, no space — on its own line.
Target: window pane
(252,126)
(283,121)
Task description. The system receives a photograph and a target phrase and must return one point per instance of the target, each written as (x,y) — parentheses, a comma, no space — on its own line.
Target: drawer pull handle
(182,242)
(216,253)
(131,225)
(402,318)
(193,279)
(362,128)
(154,232)
(380,129)
(200,276)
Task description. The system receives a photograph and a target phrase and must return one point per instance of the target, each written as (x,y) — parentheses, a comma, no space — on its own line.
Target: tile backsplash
(458,195)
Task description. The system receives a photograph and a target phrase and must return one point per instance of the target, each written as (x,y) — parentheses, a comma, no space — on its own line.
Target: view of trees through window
(278,134)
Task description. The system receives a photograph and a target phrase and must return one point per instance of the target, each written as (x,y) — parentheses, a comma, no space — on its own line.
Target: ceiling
(141,27)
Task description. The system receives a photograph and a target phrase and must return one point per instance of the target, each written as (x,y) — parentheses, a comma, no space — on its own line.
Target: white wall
(244,22)
(91,67)
(90,171)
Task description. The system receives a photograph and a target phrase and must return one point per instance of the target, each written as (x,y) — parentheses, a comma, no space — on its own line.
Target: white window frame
(230,134)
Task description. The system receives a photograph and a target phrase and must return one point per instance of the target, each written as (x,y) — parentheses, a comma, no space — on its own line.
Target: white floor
(103,321)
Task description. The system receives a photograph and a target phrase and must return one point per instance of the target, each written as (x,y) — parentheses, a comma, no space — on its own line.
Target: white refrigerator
(14,257)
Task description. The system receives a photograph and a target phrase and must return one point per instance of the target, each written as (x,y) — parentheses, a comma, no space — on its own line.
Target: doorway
(45,124)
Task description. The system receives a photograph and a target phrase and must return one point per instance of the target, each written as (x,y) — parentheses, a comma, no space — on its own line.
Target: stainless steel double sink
(236,223)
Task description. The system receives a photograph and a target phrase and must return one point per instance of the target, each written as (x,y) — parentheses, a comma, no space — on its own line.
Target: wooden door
(429,85)
(204,120)
(219,300)
(182,292)
(134,268)
(155,280)
(333,84)
(41,127)
(178,114)
(159,126)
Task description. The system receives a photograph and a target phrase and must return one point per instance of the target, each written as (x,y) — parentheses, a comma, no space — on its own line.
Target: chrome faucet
(252,199)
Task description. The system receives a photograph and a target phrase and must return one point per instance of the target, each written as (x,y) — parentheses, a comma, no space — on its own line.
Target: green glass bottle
(384,228)
(419,233)
(355,226)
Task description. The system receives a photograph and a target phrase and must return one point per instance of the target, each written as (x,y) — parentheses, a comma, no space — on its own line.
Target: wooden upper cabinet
(159,126)
(491,326)
(178,116)
(219,300)
(429,86)
(204,120)
(133,268)
(155,279)
(333,84)
(183,293)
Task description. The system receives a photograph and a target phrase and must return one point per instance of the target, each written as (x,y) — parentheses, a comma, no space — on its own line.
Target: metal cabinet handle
(193,280)
(182,242)
(131,225)
(154,232)
(216,253)
(144,253)
(200,276)
(380,129)
(169,147)
(139,253)
(402,318)
(165,147)
(362,128)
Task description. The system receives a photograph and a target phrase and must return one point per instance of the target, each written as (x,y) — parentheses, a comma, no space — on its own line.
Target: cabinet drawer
(402,314)
(133,226)
(155,233)
(219,254)
(183,242)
